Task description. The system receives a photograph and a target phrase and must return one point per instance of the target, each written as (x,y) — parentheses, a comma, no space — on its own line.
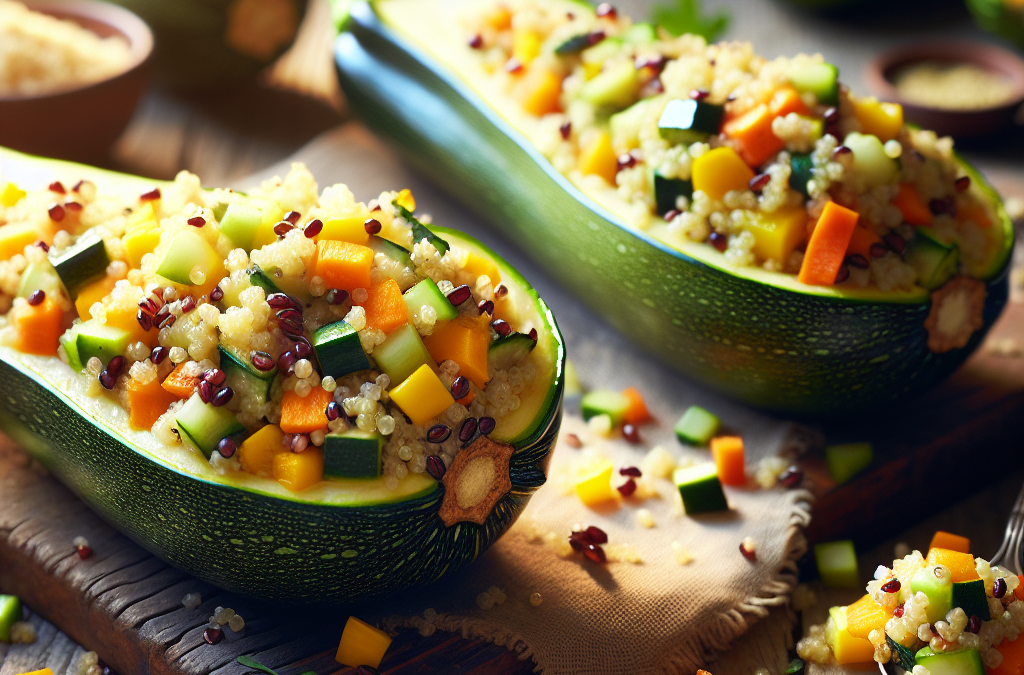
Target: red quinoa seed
(628,488)
(36,297)
(150,196)
(56,212)
(58,187)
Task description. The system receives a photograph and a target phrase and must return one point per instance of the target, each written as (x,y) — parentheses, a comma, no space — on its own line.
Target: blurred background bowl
(961,121)
(81,123)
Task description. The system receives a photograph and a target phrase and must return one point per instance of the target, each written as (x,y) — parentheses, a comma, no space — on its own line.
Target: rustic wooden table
(134,611)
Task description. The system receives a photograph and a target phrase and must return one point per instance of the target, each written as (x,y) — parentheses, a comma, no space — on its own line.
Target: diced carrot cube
(304,414)
(864,616)
(952,542)
(344,265)
(637,412)
(147,402)
(179,383)
(861,241)
(539,91)
(827,247)
(465,341)
(598,158)
(38,328)
(91,294)
(961,565)
(914,210)
(385,307)
(752,134)
(787,100)
(974,211)
(125,318)
(727,452)
(1013,658)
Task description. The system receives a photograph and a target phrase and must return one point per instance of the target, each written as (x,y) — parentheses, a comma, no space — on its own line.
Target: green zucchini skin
(795,353)
(246,541)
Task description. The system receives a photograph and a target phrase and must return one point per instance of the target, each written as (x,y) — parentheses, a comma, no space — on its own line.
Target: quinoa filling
(284,333)
(769,164)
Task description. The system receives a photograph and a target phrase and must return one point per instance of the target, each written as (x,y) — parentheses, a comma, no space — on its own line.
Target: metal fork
(1010,551)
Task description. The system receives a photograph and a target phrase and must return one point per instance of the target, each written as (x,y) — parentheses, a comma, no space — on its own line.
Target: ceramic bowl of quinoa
(71,74)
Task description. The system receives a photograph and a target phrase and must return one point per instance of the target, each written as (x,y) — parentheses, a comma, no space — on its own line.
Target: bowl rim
(125,22)
(986,55)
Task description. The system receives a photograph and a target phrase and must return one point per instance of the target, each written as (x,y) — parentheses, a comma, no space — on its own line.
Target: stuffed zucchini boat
(750,222)
(287,393)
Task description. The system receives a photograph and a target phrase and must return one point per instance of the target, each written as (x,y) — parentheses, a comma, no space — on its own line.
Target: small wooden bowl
(81,123)
(973,122)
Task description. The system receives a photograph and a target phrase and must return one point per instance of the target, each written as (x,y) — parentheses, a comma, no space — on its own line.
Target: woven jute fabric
(651,616)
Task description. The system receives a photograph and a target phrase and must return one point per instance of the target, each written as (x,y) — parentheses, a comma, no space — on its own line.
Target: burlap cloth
(650,616)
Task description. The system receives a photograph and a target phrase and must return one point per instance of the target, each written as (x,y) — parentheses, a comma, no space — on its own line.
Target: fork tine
(1013,537)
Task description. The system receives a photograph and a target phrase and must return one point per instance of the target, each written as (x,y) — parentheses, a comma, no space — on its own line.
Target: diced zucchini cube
(700,489)
(605,402)
(426,292)
(82,262)
(697,426)
(847,460)
(205,425)
(353,454)
(100,340)
(668,190)
(240,223)
(338,350)
(10,614)
(402,353)
(970,596)
(689,121)
(820,79)
(837,564)
(959,662)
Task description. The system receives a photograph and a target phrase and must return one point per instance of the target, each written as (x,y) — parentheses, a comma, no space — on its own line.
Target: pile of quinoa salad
(950,610)
(712,144)
(273,338)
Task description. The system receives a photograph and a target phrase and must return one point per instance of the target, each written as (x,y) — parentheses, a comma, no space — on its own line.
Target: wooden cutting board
(126,604)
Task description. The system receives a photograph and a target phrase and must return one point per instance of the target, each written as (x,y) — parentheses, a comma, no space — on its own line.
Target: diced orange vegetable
(752,131)
(343,265)
(299,470)
(951,542)
(884,120)
(974,211)
(720,170)
(362,644)
(598,158)
(180,384)
(406,200)
(861,241)
(480,265)
(147,402)
(637,412)
(1019,591)
(385,307)
(125,318)
(16,236)
(304,414)
(864,616)
(257,452)
(845,647)
(1013,658)
(961,565)
(500,19)
(827,247)
(93,293)
(727,452)
(467,399)
(38,329)
(465,341)
(915,211)
(539,91)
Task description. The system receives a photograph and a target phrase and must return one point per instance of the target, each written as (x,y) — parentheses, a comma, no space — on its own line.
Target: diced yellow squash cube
(594,487)
(144,214)
(539,91)
(883,120)
(777,234)
(91,294)
(362,644)
(299,470)
(720,170)
(845,647)
(406,200)
(598,158)
(526,45)
(257,452)
(477,264)
(16,236)
(350,228)
(44,671)
(422,396)
(140,240)
(11,194)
